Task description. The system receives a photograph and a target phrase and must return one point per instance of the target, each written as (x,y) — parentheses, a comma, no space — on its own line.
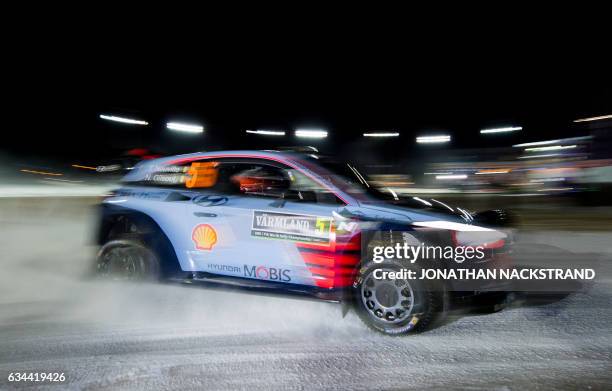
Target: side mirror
(294,195)
(300,195)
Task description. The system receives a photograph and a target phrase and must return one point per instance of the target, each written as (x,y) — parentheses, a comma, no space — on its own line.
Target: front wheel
(396,306)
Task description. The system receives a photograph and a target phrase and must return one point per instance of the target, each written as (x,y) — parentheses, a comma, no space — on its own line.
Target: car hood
(415,209)
(397,212)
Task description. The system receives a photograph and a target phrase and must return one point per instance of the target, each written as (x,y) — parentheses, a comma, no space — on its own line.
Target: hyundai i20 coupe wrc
(289,222)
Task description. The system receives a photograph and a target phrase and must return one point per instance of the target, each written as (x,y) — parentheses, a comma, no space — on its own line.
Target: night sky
(56,107)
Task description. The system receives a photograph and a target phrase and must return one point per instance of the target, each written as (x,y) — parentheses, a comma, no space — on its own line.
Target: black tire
(127,259)
(382,309)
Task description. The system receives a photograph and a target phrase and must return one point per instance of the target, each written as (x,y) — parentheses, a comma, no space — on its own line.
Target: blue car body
(249,235)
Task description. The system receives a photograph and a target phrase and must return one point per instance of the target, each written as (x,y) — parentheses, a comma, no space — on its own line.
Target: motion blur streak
(501,130)
(443,177)
(308,133)
(267,132)
(188,128)
(382,134)
(609,116)
(433,139)
(557,141)
(491,172)
(551,148)
(123,120)
(83,167)
(42,172)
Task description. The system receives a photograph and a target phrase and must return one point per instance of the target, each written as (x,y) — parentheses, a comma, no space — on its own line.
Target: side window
(260,178)
(251,177)
(255,179)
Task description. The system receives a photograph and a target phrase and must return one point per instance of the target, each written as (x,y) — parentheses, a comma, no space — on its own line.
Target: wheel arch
(147,231)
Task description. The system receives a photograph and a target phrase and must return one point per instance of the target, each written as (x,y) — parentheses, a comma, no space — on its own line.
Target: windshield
(347,177)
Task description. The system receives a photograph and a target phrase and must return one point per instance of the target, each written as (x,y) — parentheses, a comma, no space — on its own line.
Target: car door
(258,229)
(218,223)
(214,233)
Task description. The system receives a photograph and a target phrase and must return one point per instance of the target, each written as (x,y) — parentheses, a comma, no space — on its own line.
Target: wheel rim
(389,301)
(123,262)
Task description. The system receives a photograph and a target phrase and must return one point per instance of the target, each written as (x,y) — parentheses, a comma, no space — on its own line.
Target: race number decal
(202,174)
(297,228)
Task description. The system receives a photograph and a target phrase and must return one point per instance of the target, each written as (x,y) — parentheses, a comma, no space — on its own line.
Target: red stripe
(318,259)
(331,269)
(324,271)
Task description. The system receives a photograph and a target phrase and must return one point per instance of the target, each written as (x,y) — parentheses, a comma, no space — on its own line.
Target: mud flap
(345,306)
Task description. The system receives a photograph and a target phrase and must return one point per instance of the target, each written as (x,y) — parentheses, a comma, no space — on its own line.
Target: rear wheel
(396,306)
(127,259)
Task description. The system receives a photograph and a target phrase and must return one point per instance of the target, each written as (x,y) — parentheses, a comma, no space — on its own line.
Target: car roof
(177,159)
(142,170)
(145,168)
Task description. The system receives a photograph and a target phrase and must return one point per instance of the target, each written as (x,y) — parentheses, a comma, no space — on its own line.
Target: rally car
(289,222)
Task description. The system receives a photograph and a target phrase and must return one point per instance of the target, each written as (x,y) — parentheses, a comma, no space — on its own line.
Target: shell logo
(204,236)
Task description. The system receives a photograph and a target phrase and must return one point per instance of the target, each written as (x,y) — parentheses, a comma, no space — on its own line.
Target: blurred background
(534,148)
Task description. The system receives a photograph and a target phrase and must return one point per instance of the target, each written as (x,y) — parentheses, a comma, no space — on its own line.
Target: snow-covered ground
(106,335)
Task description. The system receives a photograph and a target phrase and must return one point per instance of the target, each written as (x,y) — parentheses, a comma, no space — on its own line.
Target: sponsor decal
(215,267)
(147,195)
(267,273)
(202,174)
(413,322)
(344,227)
(297,228)
(204,237)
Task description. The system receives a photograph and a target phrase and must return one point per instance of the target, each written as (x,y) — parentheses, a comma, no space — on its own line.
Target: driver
(261,180)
